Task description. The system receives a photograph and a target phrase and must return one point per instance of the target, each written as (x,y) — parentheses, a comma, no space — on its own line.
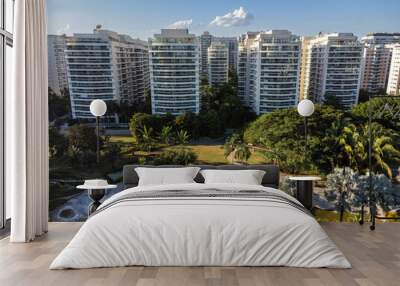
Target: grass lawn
(333,216)
(207,154)
(122,139)
(214,155)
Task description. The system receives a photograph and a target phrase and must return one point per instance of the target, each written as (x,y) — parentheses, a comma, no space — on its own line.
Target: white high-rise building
(205,41)
(232,45)
(376,67)
(393,87)
(269,70)
(175,72)
(245,41)
(333,67)
(105,65)
(218,64)
(381,38)
(377,57)
(57,67)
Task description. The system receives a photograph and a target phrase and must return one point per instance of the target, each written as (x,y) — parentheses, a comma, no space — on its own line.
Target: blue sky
(142,19)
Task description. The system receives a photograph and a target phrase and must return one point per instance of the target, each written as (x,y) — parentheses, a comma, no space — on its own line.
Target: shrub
(82,137)
(180,156)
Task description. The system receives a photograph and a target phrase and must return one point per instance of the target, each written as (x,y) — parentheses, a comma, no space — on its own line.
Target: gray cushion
(270,179)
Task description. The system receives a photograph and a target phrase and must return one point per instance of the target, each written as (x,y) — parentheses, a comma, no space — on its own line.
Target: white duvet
(202,232)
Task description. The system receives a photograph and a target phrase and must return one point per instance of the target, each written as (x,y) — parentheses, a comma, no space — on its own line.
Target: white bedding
(193,231)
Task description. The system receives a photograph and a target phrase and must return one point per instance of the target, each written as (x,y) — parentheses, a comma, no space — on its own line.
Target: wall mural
(197,98)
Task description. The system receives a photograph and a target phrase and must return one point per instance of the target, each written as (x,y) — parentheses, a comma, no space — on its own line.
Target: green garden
(227,132)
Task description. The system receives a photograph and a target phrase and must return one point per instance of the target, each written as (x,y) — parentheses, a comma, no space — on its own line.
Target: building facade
(232,45)
(305,60)
(376,67)
(381,38)
(218,64)
(269,75)
(205,42)
(108,66)
(393,87)
(333,68)
(245,42)
(175,72)
(230,42)
(377,58)
(57,67)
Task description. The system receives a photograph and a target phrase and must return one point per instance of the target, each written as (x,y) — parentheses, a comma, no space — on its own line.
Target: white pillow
(248,177)
(166,176)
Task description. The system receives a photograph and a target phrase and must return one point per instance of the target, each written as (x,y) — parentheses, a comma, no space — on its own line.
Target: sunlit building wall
(334,68)
(175,72)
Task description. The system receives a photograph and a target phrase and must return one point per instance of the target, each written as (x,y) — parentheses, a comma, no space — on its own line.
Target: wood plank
(375,257)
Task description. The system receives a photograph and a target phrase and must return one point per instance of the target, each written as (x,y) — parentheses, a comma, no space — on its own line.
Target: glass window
(9,15)
(7,78)
(6,29)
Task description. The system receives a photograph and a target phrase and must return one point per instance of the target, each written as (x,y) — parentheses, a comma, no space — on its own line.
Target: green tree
(210,124)
(333,101)
(182,137)
(179,156)
(82,137)
(59,104)
(58,143)
(166,134)
(190,122)
(236,149)
(111,154)
(139,120)
(385,153)
(147,139)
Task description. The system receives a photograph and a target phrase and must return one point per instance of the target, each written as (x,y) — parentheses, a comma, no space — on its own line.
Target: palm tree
(182,137)
(383,150)
(350,148)
(147,138)
(237,149)
(165,135)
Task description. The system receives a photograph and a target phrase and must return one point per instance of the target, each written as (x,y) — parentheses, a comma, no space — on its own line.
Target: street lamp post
(305,109)
(98,108)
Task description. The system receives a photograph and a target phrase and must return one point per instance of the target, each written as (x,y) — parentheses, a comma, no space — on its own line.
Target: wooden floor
(375,257)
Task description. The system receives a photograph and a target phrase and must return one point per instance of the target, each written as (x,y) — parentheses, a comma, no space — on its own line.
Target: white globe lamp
(305,108)
(98,108)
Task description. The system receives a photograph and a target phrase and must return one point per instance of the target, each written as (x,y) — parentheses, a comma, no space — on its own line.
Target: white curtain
(27,124)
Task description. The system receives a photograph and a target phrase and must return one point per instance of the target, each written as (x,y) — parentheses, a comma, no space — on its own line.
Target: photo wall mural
(179,95)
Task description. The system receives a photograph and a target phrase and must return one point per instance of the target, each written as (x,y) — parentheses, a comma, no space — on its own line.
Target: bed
(201,224)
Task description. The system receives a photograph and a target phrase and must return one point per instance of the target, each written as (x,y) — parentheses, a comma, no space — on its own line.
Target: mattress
(201,225)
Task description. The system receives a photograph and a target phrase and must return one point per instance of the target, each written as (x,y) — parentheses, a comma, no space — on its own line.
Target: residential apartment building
(244,79)
(333,67)
(105,65)
(205,42)
(393,87)
(57,67)
(218,63)
(377,58)
(231,43)
(175,72)
(381,38)
(305,59)
(269,70)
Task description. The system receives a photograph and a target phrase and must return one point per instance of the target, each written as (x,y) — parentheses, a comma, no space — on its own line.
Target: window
(6,42)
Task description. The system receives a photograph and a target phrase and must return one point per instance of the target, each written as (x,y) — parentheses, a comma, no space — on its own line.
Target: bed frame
(270,179)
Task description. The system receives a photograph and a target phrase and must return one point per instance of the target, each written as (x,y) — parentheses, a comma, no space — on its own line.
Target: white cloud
(63,30)
(238,17)
(182,24)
